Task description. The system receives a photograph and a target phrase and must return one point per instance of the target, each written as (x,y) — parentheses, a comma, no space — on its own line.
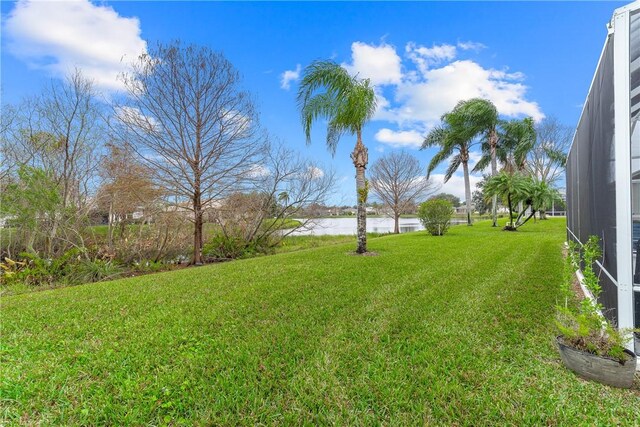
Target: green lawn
(454,330)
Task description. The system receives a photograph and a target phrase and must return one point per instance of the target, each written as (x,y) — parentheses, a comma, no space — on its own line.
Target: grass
(453,330)
(297,243)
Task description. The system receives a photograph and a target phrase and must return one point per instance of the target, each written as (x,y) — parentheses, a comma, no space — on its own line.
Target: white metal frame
(622,150)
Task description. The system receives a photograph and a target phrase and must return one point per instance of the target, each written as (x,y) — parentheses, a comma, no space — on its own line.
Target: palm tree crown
(347,102)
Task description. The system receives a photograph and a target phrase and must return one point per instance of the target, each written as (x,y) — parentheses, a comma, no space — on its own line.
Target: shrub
(229,246)
(72,268)
(435,215)
(95,270)
(582,325)
(33,270)
(150,266)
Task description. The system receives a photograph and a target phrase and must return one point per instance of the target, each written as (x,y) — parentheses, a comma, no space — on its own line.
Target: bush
(582,325)
(72,268)
(435,215)
(95,270)
(226,247)
(150,266)
(33,270)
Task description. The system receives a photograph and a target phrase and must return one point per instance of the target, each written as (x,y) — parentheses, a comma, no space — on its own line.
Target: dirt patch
(577,289)
(368,253)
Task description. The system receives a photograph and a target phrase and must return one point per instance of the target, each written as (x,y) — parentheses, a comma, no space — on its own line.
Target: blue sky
(532,59)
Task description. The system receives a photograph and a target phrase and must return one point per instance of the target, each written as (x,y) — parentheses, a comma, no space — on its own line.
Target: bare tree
(58,132)
(398,181)
(280,190)
(546,161)
(188,119)
(72,114)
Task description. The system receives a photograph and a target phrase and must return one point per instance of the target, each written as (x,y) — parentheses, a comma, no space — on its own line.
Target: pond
(347,226)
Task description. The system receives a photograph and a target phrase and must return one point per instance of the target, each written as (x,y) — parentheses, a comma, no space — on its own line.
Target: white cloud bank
(413,92)
(399,139)
(60,36)
(381,64)
(289,76)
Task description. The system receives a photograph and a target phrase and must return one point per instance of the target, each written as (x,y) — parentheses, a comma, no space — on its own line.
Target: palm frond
(319,106)
(328,91)
(453,167)
(334,132)
(436,136)
(438,158)
(483,163)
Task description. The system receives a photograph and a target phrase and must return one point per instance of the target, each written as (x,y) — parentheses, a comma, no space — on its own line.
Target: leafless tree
(58,131)
(546,161)
(189,120)
(398,181)
(279,190)
(72,114)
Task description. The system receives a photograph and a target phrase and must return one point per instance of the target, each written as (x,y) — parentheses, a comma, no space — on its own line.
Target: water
(348,226)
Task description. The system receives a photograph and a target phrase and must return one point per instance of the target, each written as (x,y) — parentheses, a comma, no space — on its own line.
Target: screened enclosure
(603,168)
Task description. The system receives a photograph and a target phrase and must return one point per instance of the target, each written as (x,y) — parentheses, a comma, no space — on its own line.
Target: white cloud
(315,172)
(455,185)
(423,56)
(469,45)
(133,116)
(440,89)
(416,95)
(60,36)
(289,76)
(410,138)
(381,64)
(258,171)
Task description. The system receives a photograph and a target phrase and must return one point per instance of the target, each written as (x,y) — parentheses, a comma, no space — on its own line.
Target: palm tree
(455,136)
(347,102)
(512,188)
(484,114)
(518,138)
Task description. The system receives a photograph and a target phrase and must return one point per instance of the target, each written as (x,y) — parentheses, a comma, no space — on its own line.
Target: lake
(347,226)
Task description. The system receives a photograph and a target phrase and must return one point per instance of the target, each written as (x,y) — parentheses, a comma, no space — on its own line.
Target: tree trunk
(533,212)
(52,235)
(493,142)
(360,158)
(467,189)
(110,226)
(197,231)
(396,225)
(510,224)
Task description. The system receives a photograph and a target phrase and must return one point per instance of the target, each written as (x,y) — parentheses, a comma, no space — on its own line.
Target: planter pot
(597,368)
